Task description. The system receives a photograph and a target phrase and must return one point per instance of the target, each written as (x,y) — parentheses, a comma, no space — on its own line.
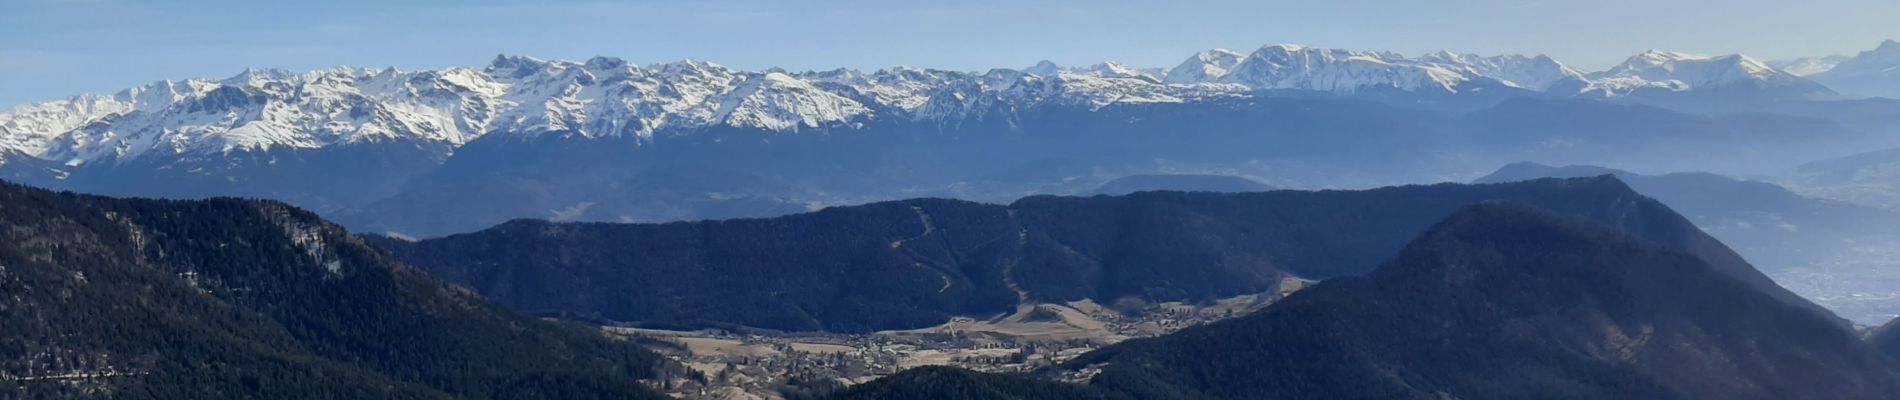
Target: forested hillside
(231,298)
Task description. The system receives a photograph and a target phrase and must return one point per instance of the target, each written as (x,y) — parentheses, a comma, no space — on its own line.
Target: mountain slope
(129,298)
(1871,73)
(1513,304)
(1829,251)
(914,263)
(1886,339)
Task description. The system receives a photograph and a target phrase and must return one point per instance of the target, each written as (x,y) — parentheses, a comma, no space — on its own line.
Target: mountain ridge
(1827,250)
(1873,72)
(970,258)
(1516,303)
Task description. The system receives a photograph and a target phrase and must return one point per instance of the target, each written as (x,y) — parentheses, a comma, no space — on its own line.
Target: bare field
(756,365)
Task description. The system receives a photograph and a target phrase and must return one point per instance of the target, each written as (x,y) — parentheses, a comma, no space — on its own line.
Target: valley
(760,364)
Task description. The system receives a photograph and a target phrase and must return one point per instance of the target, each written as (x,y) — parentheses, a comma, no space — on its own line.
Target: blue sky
(50,49)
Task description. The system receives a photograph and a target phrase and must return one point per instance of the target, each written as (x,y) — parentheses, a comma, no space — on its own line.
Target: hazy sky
(51,49)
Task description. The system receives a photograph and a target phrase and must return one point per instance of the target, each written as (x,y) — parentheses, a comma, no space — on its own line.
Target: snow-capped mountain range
(264,109)
(1680,72)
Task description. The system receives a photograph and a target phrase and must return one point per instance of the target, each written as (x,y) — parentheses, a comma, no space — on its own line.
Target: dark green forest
(947,383)
(232,298)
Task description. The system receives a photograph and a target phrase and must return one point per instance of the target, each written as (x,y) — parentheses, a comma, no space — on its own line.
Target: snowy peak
(1205,66)
(777,101)
(253,110)
(1809,66)
(903,88)
(1109,69)
(1113,69)
(31,128)
(261,109)
(1295,67)
(1537,73)
(1682,71)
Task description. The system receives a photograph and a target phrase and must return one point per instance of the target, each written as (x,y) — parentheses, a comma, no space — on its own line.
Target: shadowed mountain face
(228,298)
(1886,339)
(1500,302)
(915,263)
(1184,183)
(1833,252)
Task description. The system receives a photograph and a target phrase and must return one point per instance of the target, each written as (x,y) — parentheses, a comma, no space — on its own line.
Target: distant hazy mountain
(1871,178)
(227,298)
(1832,252)
(1808,66)
(1583,131)
(1501,302)
(1181,182)
(433,152)
(915,263)
(1731,208)
(1871,73)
